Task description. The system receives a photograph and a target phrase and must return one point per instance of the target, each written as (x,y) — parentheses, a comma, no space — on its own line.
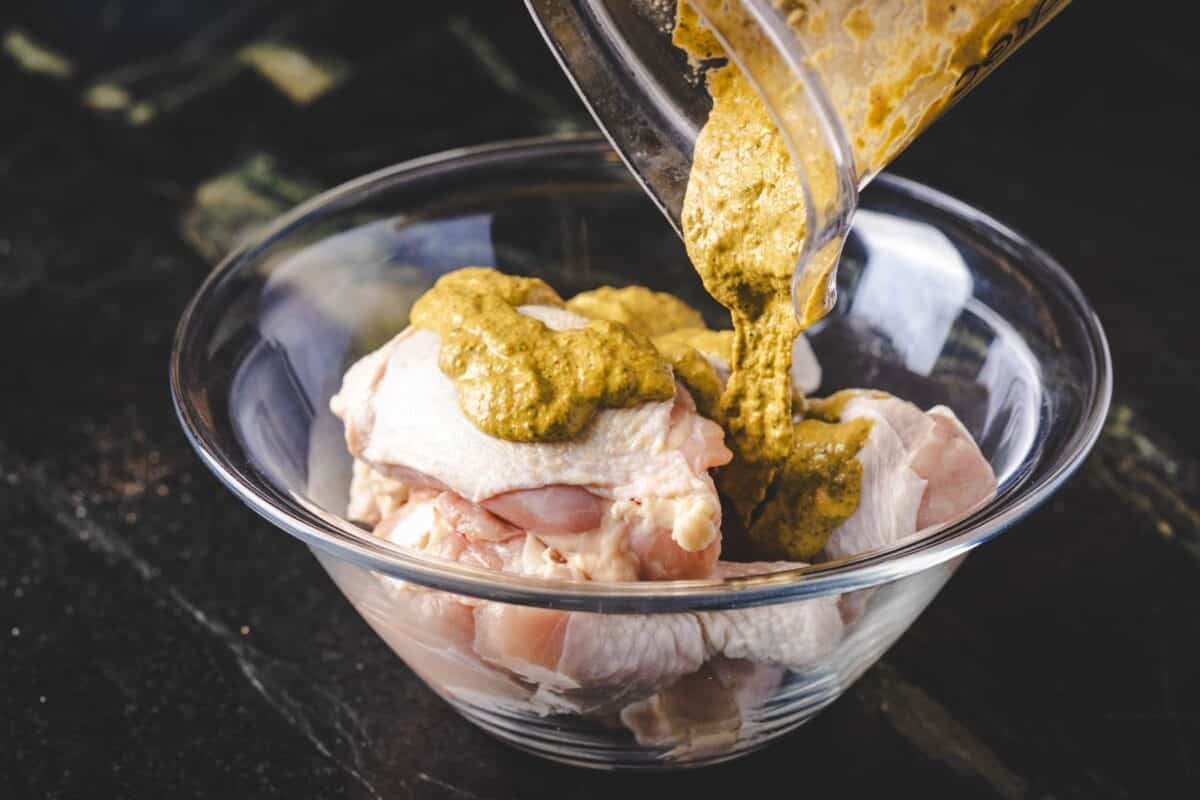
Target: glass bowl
(938,304)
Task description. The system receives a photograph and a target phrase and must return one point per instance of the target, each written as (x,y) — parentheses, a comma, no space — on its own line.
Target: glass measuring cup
(848,83)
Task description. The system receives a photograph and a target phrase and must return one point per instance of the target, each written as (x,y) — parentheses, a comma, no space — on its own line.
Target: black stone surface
(158,640)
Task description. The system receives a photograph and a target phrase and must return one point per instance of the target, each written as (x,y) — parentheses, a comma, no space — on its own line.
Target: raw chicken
(920,469)
(373,495)
(629,499)
(805,373)
(562,651)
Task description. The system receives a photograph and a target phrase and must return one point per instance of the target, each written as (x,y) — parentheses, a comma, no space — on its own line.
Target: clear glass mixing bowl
(938,304)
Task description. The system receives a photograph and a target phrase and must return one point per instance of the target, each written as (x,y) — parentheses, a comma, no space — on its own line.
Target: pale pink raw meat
(660,559)
(959,478)
(704,712)
(445,526)
(563,651)
(567,651)
(373,495)
(920,469)
(551,509)
(473,522)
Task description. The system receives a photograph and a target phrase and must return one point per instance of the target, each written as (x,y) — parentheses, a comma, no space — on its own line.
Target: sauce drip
(817,489)
(518,379)
(743,229)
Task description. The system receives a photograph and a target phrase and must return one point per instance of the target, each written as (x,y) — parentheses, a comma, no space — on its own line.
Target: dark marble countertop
(159,640)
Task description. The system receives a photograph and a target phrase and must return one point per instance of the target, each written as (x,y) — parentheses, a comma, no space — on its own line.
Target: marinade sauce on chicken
(521,380)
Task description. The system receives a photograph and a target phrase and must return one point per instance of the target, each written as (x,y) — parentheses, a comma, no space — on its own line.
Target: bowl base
(600,749)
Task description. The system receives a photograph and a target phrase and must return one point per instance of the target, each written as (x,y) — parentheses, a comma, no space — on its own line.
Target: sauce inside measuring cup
(889,67)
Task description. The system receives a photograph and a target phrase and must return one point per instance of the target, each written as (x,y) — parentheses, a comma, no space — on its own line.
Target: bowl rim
(342,539)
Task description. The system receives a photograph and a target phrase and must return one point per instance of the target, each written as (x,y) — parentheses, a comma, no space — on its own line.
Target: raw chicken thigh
(629,499)
(920,470)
